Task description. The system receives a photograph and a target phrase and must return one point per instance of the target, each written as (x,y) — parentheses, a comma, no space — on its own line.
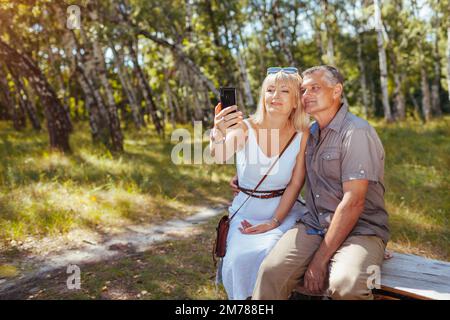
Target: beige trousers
(349,269)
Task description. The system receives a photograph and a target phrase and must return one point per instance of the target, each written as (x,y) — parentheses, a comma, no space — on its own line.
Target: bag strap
(265,176)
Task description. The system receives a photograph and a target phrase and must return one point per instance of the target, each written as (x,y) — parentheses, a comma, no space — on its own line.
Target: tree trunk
(146,91)
(31,96)
(188,27)
(383,64)
(448,61)
(249,102)
(216,38)
(96,69)
(416,106)
(4,112)
(124,80)
(373,94)
(426,97)
(13,109)
(328,35)
(98,116)
(60,87)
(170,103)
(57,123)
(313,20)
(281,35)
(399,97)
(25,102)
(436,86)
(114,121)
(84,67)
(99,127)
(362,78)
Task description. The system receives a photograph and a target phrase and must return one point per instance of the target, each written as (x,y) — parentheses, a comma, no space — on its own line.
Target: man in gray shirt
(339,243)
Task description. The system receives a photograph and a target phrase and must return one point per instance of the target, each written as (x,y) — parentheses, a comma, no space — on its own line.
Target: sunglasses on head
(289,70)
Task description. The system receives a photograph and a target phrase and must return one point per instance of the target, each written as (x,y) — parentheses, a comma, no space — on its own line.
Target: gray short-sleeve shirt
(347,149)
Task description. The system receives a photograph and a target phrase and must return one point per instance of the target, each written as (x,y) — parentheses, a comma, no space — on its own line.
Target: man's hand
(248,228)
(234,185)
(316,276)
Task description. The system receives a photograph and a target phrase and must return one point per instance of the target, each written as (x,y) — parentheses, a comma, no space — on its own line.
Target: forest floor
(52,203)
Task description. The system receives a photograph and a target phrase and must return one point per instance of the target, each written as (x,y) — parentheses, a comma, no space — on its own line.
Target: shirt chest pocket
(330,164)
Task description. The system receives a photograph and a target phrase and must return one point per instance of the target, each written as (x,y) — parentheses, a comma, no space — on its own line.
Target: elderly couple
(275,243)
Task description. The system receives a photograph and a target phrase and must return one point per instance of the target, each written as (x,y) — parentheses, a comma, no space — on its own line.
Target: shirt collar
(338,119)
(314,130)
(335,124)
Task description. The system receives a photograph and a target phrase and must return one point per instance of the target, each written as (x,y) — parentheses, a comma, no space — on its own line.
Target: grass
(47,193)
(44,193)
(417,183)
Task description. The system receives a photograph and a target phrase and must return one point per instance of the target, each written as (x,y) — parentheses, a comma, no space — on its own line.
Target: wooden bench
(407,276)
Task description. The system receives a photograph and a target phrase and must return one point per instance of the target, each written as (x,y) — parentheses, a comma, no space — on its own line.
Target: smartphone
(227,97)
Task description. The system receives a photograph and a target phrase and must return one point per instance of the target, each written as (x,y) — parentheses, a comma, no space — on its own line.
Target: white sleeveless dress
(245,253)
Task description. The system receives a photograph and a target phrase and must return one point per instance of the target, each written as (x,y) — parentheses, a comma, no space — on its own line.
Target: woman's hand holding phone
(225,119)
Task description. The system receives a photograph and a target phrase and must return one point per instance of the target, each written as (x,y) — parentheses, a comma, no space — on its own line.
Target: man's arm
(344,220)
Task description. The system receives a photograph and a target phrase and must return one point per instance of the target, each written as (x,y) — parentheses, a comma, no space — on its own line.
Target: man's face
(318,94)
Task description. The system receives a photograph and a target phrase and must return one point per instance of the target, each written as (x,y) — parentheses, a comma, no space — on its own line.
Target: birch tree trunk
(249,102)
(448,61)
(426,96)
(313,20)
(436,86)
(13,109)
(114,121)
(281,35)
(146,91)
(382,60)
(31,96)
(328,36)
(98,116)
(85,74)
(124,80)
(362,78)
(25,102)
(60,87)
(399,98)
(416,106)
(170,103)
(57,123)
(101,70)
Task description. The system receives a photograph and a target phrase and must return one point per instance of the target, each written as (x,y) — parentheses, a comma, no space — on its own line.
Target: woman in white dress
(257,142)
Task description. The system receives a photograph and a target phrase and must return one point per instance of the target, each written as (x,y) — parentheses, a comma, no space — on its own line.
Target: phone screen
(227,97)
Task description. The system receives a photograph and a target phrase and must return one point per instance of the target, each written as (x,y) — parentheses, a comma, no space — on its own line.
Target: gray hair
(331,73)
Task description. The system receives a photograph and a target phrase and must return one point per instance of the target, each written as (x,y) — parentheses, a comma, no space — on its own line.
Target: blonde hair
(299,118)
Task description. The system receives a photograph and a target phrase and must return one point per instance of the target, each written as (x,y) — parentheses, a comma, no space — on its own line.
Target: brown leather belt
(263,194)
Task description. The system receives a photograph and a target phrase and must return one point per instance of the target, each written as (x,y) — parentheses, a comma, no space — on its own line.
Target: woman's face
(278,97)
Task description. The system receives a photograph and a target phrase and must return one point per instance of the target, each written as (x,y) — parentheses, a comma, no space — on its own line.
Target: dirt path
(136,238)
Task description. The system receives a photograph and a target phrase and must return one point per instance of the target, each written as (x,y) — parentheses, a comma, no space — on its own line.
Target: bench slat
(416,276)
